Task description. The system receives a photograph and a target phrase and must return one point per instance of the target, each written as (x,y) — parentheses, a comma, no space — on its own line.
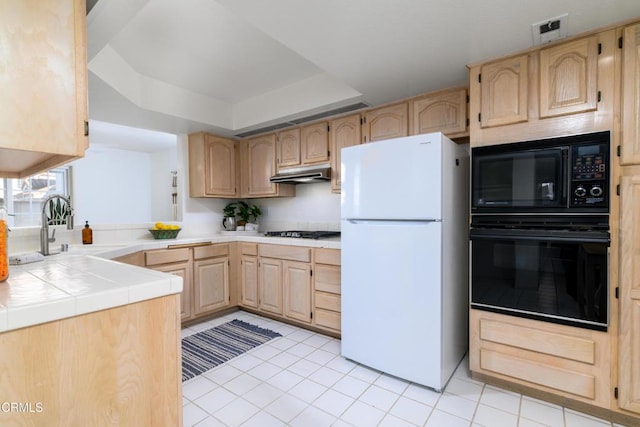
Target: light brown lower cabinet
(629,334)
(178,262)
(284,281)
(211,287)
(562,360)
(119,366)
(182,269)
(296,280)
(327,289)
(270,285)
(295,283)
(249,275)
(206,275)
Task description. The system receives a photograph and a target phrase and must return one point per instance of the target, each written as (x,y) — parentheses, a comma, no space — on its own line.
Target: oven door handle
(546,235)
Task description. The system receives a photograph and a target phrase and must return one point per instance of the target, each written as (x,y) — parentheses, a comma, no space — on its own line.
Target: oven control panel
(589,175)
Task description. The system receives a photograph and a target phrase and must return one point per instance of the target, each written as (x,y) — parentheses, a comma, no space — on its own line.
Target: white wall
(162,163)
(120,186)
(313,208)
(112,186)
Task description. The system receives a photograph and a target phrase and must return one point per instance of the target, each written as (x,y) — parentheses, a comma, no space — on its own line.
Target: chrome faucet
(44,229)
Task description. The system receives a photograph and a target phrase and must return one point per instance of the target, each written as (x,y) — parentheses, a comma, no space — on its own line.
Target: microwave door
(520,180)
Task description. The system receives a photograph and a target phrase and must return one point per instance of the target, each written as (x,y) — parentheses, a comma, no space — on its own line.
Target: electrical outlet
(550,29)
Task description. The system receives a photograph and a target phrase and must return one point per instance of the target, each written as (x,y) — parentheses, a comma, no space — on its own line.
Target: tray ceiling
(230,66)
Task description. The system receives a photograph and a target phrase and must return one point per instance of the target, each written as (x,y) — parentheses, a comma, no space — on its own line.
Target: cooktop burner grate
(299,234)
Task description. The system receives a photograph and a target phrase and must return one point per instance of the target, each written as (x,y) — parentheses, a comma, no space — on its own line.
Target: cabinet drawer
(210,251)
(327,256)
(555,344)
(249,248)
(294,253)
(327,301)
(578,383)
(166,256)
(327,278)
(328,319)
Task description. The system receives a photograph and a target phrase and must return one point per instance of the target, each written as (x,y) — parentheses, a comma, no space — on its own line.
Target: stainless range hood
(303,175)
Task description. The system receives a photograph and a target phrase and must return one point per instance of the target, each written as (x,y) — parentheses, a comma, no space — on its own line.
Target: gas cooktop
(298,234)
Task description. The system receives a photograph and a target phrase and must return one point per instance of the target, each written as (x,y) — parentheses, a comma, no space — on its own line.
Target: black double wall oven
(540,229)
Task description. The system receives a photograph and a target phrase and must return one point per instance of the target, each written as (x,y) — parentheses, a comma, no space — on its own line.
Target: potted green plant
(248,214)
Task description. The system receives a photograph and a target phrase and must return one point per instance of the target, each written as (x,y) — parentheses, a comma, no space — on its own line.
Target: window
(23,198)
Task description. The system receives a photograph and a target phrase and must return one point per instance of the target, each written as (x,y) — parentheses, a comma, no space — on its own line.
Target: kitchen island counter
(90,341)
(69,285)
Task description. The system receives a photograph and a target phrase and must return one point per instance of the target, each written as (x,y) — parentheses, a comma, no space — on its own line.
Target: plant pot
(251,226)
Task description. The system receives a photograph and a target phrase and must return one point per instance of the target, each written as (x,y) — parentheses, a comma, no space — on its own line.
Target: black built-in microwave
(564,175)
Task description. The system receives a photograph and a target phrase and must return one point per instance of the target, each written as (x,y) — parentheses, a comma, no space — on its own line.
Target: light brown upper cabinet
(387,122)
(212,166)
(504,92)
(630,150)
(259,164)
(563,88)
(345,132)
(314,143)
(289,148)
(302,146)
(261,157)
(568,78)
(44,119)
(444,111)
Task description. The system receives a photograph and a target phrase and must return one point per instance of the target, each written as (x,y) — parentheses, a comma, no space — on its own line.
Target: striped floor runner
(208,349)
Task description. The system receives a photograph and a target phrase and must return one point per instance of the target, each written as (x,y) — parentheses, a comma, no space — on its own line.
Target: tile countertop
(85,279)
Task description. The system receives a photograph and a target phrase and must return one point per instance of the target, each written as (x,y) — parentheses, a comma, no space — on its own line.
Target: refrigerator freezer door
(391,298)
(393,179)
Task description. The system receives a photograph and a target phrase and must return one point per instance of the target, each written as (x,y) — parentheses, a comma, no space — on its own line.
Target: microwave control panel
(589,175)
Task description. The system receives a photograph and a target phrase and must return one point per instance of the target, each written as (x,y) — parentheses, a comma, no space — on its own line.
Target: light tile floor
(300,379)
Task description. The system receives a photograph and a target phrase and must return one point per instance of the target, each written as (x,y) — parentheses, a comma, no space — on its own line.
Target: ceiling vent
(550,29)
(305,119)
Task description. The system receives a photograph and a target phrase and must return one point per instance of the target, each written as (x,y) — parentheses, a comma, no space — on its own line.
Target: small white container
(240,228)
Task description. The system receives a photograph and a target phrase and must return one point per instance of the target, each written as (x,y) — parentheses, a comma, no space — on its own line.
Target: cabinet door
(504,92)
(631,96)
(345,132)
(43,82)
(386,122)
(270,285)
(629,341)
(297,290)
(315,143)
(261,156)
(211,284)
(289,148)
(220,166)
(442,112)
(568,82)
(183,270)
(249,281)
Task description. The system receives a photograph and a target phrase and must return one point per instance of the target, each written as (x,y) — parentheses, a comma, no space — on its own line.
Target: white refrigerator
(404,226)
